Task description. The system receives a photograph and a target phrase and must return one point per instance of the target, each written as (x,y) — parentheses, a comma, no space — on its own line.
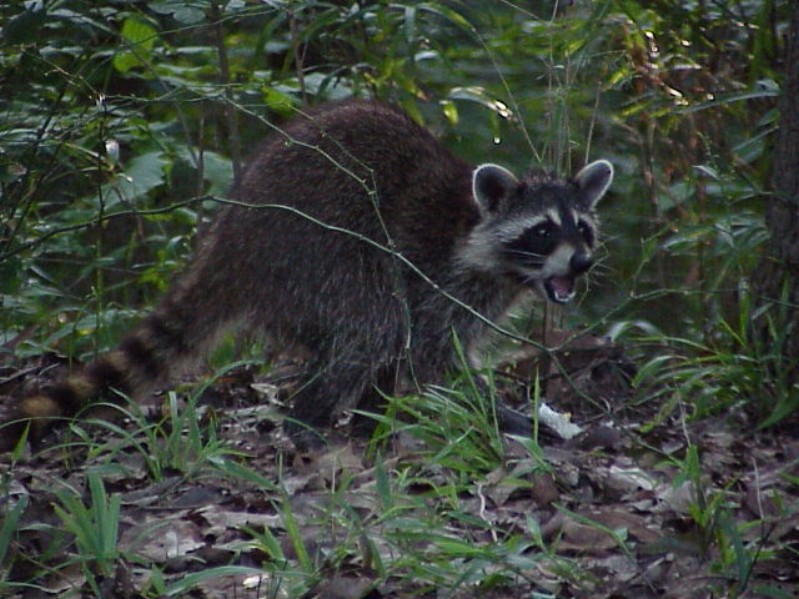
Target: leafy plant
(95,526)
(733,371)
(8,528)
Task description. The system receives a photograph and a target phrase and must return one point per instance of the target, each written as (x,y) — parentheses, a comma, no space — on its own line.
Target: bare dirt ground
(622,511)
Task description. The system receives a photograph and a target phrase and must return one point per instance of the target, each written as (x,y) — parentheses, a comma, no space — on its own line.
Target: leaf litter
(615,511)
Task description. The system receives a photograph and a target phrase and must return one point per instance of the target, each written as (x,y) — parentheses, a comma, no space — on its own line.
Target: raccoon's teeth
(560,289)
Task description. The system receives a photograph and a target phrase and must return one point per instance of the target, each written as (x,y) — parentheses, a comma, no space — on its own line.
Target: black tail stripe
(68,398)
(141,357)
(103,373)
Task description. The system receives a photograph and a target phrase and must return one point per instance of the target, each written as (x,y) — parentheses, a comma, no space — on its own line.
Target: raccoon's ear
(593,181)
(490,184)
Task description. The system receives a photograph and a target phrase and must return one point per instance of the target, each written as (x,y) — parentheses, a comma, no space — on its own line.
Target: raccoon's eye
(533,245)
(586,232)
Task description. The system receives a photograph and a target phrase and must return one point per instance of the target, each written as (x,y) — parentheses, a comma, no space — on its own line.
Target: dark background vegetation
(122,122)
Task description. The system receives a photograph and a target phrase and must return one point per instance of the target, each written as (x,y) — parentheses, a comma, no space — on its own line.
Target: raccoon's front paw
(512,422)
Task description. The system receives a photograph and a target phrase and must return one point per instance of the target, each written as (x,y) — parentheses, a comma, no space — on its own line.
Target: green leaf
(139,39)
(278,101)
(142,174)
(24,27)
(450,111)
(11,273)
(185,13)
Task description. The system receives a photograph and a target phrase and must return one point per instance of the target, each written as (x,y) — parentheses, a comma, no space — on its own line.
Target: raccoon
(355,234)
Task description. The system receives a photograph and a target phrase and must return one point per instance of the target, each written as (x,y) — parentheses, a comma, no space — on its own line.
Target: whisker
(525,254)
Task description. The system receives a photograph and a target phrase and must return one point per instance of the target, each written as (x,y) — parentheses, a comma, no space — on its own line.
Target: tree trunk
(776,280)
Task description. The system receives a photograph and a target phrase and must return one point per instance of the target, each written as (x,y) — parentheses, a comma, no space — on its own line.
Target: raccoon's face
(540,232)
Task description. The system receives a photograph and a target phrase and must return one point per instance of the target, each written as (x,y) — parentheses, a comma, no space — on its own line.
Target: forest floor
(644,502)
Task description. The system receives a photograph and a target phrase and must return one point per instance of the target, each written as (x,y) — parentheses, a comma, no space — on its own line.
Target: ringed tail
(135,366)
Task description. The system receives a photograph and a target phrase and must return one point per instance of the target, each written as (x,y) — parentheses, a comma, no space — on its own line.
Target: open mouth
(559,289)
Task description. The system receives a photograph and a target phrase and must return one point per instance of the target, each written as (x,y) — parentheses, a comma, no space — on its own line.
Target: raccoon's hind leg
(318,401)
(333,386)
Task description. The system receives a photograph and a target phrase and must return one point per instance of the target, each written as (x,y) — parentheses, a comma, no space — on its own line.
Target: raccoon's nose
(581,262)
